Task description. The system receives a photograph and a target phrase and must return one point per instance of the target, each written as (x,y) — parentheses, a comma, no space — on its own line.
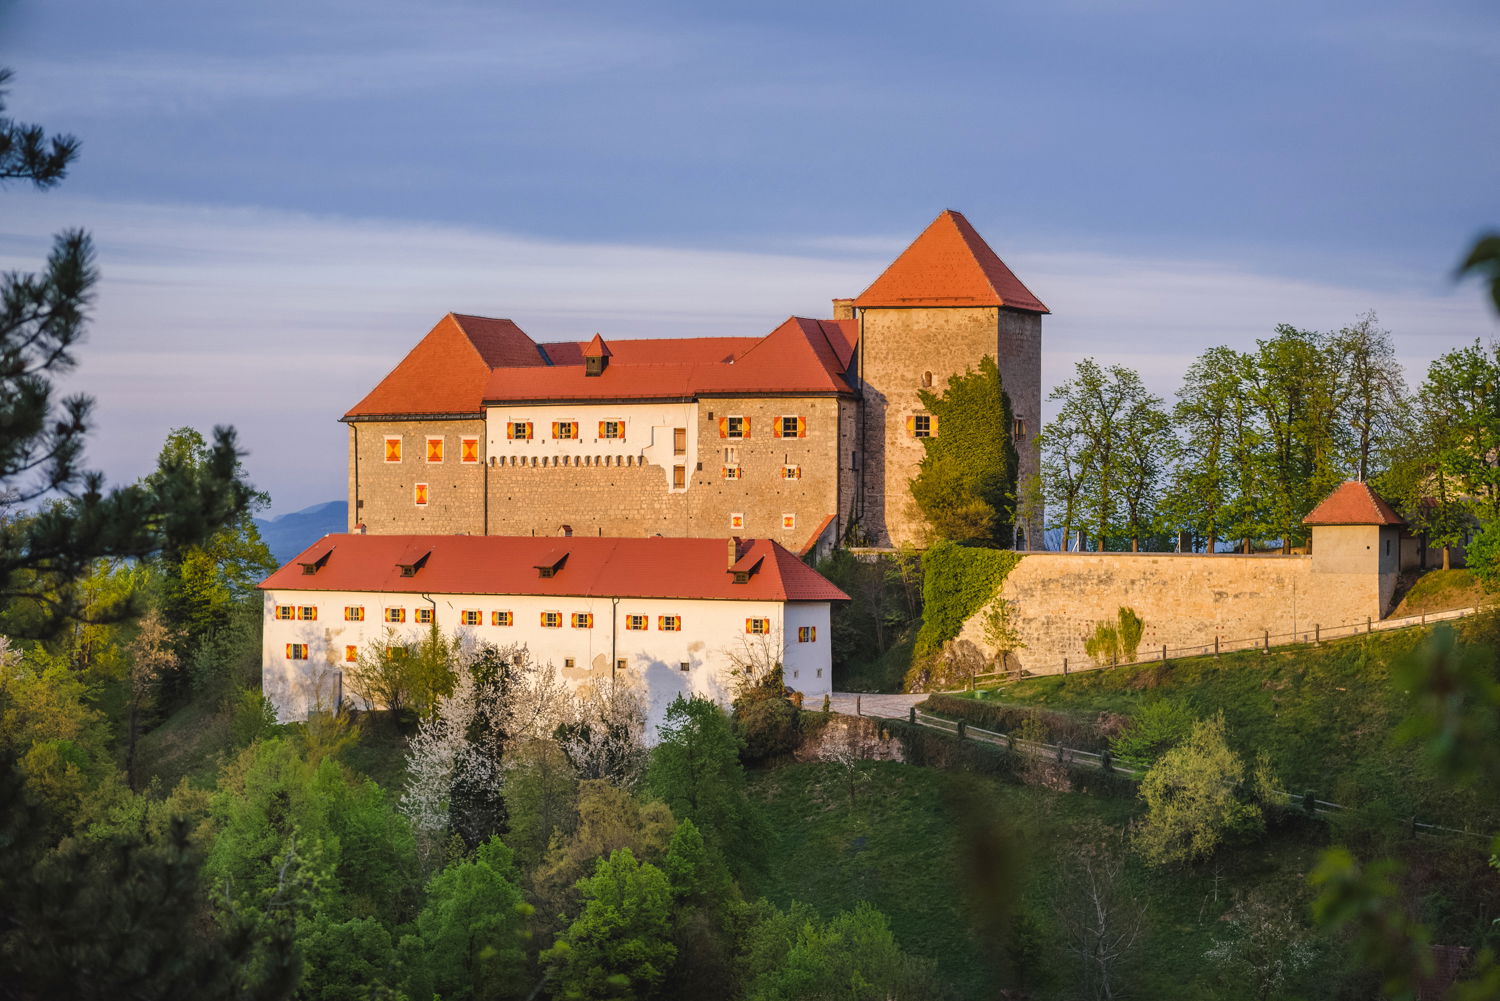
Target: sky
(287,196)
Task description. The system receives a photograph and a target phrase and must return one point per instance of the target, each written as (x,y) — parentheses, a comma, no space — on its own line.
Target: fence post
(1106,762)
(1369,625)
(912,715)
(1065,665)
(1268,641)
(1317,634)
(1163,653)
(1216,644)
(961,727)
(857,711)
(971,681)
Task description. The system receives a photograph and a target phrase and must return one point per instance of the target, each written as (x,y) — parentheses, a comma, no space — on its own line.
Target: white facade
(650,435)
(696,660)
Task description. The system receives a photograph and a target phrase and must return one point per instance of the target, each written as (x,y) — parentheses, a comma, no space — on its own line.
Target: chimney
(734,550)
(843,309)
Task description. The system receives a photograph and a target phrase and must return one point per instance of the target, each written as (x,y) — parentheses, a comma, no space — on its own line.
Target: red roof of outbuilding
(597,348)
(949,265)
(446,372)
(1353,503)
(493,564)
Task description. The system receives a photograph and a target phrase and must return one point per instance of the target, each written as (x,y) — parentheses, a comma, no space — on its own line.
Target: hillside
(288,534)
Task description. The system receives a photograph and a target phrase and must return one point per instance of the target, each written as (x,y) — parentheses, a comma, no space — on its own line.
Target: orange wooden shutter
(748,626)
(911,427)
(527,426)
(723,427)
(601,429)
(801,427)
(932,424)
(745,427)
(555,426)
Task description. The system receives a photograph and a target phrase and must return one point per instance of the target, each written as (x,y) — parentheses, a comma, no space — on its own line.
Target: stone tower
(940,307)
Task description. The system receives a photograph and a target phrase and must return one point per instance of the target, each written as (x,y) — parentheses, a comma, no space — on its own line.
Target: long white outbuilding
(673,615)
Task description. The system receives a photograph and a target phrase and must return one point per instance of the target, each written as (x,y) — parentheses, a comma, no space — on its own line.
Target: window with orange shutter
(419,494)
(565,430)
(434,450)
(758,627)
(583,620)
(669,623)
(502,618)
(635,622)
(791,427)
(393,450)
(468,450)
(611,429)
(734,427)
(351,654)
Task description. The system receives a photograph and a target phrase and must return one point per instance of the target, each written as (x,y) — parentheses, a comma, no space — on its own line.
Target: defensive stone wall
(1057,599)
(382,495)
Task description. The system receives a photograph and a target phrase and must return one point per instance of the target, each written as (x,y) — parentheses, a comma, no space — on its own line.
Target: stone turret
(1355,531)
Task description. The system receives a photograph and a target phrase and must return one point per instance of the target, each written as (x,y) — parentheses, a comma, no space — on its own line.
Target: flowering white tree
(535,700)
(606,737)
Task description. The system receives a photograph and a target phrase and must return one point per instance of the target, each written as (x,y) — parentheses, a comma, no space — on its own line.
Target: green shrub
(767,723)
(1158,727)
(957,581)
(252,717)
(1116,642)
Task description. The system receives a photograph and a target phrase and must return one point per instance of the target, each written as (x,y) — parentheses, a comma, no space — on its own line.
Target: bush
(767,724)
(1159,726)
(1192,798)
(1483,557)
(252,717)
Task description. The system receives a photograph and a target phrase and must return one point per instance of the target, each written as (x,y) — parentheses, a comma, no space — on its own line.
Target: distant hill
(289,534)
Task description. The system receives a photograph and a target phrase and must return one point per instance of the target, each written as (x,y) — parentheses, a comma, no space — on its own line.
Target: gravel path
(890,706)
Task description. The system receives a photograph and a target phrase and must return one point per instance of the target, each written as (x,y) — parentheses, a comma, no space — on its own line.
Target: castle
(793,436)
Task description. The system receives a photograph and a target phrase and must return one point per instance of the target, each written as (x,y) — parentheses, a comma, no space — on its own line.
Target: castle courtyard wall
(382,495)
(1184,600)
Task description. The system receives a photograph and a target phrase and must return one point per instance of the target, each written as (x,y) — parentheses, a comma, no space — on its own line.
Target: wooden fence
(1103,762)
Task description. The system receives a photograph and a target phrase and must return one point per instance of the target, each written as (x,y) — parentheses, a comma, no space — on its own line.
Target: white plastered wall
(712,636)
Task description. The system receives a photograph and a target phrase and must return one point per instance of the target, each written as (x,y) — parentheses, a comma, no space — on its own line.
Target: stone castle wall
(544,493)
(899,350)
(1184,600)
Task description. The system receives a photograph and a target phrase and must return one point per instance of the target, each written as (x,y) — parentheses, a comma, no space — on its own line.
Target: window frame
(434,447)
(297,651)
(502,618)
(669,623)
(807,634)
(392,439)
(425,616)
(737,520)
(565,431)
(468,446)
(519,430)
(354,613)
(791,471)
(285,613)
(471,617)
(606,426)
(631,620)
(395,614)
(307,613)
(582,620)
(421,493)
(789,522)
(552,620)
(757,626)
(351,653)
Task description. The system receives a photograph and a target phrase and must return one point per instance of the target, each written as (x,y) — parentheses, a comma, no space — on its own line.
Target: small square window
(518,430)
(552,620)
(354,613)
(351,654)
(758,627)
(679,477)
(395,615)
(921,426)
(732,472)
(669,623)
(1019,429)
(468,450)
(683,666)
(791,472)
(502,619)
(736,521)
(424,616)
(296,651)
(735,427)
(565,430)
(285,612)
(308,613)
(583,620)
(611,429)
(820,672)
(636,622)
(434,450)
(679,440)
(419,495)
(807,634)
(791,427)
(621,664)
(796,675)
(393,450)
(789,521)
(569,662)
(472,617)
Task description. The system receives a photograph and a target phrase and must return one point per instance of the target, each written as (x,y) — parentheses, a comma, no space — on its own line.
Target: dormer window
(409,565)
(313,566)
(595,356)
(551,563)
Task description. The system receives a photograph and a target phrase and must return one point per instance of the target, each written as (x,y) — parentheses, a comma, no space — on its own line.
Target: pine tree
(56,518)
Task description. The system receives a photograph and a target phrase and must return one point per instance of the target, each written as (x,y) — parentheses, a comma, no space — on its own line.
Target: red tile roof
(654,351)
(949,265)
(597,348)
(1353,503)
(628,568)
(446,372)
(800,356)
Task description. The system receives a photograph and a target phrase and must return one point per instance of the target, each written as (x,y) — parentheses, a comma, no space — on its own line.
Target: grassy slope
(1326,716)
(896,849)
(1439,590)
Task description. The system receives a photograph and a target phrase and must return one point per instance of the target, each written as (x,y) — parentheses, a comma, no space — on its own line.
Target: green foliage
(345,960)
(1053,727)
(1192,798)
(1484,260)
(1159,726)
(1116,642)
(1484,557)
(696,771)
(872,634)
(471,933)
(619,946)
(853,957)
(1454,705)
(403,677)
(765,721)
(957,581)
(540,793)
(114,916)
(966,483)
(253,717)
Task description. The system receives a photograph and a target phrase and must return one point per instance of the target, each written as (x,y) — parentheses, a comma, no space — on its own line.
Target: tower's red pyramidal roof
(1353,503)
(949,265)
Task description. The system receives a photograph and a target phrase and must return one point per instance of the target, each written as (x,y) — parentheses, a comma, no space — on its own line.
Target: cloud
(278,322)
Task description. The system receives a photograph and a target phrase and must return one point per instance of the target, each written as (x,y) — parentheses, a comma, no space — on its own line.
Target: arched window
(926,379)
(566,531)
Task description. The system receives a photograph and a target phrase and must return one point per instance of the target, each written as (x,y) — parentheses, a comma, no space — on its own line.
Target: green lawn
(897,848)
(1439,590)
(1326,717)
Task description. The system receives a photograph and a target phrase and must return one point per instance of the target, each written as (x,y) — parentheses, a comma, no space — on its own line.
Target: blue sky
(287,196)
